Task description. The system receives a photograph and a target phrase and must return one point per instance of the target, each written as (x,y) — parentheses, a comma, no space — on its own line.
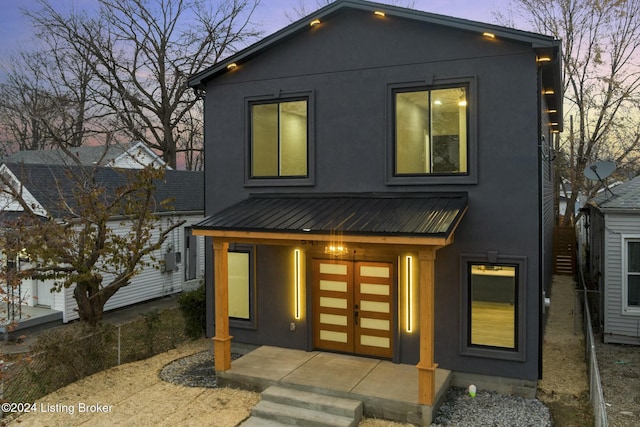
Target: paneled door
(353,307)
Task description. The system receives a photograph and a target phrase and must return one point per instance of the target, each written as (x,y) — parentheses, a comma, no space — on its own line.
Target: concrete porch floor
(388,390)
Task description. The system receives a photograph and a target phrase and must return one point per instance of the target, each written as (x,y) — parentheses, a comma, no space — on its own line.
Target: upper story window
(279,140)
(431,131)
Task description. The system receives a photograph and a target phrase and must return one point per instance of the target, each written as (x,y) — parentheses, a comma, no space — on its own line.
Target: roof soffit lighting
(488,35)
(379,13)
(314,23)
(232,66)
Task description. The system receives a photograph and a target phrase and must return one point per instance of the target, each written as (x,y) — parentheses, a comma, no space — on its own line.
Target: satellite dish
(599,170)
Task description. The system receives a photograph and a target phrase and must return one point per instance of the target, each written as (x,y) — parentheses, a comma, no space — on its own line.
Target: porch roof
(395,218)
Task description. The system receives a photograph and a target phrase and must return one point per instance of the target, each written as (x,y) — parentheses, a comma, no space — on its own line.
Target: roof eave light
(379,13)
(232,66)
(488,35)
(314,22)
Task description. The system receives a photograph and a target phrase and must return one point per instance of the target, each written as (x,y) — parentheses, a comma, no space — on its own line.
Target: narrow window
(431,132)
(279,139)
(633,275)
(241,286)
(493,309)
(190,255)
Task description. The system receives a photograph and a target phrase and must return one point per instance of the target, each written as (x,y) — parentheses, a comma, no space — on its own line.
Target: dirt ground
(564,386)
(134,394)
(619,367)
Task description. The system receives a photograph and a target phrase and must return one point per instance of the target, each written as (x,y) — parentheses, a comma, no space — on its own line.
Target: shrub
(193,307)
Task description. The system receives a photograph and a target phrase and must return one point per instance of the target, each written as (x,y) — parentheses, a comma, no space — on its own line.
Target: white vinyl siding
(620,324)
(151,283)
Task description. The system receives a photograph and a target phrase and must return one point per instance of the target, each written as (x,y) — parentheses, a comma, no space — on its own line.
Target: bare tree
(601,42)
(50,99)
(143,51)
(76,243)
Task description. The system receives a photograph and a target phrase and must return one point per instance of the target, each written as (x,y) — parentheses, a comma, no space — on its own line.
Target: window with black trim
(493,309)
(279,139)
(430,132)
(493,312)
(240,273)
(190,254)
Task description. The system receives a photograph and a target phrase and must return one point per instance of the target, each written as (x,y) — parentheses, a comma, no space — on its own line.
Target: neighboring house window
(631,280)
(190,255)
(493,308)
(279,139)
(431,131)
(240,280)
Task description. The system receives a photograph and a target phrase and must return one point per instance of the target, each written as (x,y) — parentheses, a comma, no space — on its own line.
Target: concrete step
(315,401)
(297,416)
(254,421)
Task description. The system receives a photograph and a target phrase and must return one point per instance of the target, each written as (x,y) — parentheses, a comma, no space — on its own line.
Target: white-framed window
(631,275)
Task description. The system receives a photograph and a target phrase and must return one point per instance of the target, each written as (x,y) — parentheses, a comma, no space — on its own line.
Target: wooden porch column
(426,366)
(222,339)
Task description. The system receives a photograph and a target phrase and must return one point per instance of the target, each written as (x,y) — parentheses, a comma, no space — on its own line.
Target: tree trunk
(90,302)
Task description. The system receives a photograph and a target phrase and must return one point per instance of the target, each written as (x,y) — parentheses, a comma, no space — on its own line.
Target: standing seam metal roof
(396,214)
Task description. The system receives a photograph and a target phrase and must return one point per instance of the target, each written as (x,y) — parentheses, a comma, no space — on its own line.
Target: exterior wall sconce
(408,282)
(296,281)
(542,59)
(548,92)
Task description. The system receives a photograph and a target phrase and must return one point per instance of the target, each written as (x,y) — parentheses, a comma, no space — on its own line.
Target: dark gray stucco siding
(348,65)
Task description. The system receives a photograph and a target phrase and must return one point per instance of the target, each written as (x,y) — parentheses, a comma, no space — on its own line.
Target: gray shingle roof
(625,196)
(395,214)
(49,184)
(85,155)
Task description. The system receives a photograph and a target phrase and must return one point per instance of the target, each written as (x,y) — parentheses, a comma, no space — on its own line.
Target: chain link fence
(64,355)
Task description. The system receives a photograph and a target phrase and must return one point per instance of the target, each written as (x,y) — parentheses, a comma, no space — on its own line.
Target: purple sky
(16,32)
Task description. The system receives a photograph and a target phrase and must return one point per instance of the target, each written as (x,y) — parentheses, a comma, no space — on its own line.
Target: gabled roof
(625,196)
(545,46)
(51,184)
(382,215)
(85,155)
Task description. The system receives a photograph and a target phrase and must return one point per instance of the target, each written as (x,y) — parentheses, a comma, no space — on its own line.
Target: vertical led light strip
(409,292)
(296,267)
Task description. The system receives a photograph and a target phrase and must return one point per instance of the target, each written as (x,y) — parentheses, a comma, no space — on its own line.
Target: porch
(16,319)
(387,390)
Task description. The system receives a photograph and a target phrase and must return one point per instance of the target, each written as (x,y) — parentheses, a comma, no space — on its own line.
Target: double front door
(353,307)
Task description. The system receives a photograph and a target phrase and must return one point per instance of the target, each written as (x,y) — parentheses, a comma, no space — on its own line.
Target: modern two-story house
(378,182)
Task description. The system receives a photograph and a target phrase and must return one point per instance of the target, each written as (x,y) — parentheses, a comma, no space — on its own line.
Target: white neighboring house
(134,155)
(182,255)
(614,260)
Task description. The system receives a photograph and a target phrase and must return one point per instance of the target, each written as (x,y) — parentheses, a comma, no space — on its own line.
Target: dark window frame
(252,322)
(280,181)
(466,348)
(468,177)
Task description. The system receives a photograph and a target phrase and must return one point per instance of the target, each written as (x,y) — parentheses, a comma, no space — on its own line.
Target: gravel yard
(178,388)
